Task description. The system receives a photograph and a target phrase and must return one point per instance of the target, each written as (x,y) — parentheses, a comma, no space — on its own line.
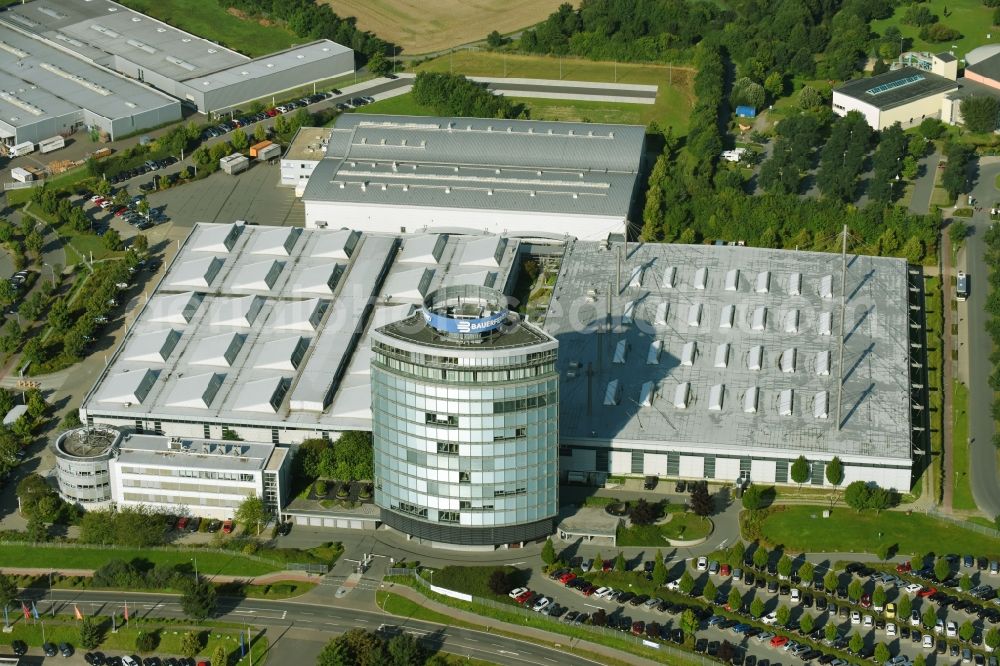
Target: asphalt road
(278,617)
(983,455)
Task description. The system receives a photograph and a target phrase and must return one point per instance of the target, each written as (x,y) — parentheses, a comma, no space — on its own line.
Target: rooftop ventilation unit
(823,362)
(722,355)
(795,284)
(732,279)
(628,314)
(635,279)
(700,278)
(107,32)
(621,351)
(688,353)
(681,395)
(694,314)
(79,80)
(755,357)
(715,395)
(785,402)
(726,318)
(825,323)
(647,394)
(140,45)
(821,405)
(661,313)
(183,64)
(13,50)
(750,400)
(669,275)
(763,283)
(792,321)
(612,393)
(826,286)
(787,361)
(759,322)
(20,103)
(653,355)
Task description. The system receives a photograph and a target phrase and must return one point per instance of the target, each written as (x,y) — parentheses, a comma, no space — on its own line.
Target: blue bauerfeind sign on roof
(746,112)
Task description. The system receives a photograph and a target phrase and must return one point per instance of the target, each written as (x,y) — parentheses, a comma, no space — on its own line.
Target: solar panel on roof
(893,85)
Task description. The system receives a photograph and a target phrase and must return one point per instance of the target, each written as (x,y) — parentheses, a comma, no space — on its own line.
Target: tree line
(993,321)
(455,95)
(312,20)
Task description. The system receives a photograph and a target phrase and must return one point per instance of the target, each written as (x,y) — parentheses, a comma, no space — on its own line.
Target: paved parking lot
(575,601)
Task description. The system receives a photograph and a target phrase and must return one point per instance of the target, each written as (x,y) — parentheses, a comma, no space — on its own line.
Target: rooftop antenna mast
(840,337)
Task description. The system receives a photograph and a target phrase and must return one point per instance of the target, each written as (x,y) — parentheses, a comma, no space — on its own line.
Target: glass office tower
(465,422)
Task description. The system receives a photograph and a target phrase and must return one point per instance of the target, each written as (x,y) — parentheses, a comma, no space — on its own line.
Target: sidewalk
(266,579)
(539,635)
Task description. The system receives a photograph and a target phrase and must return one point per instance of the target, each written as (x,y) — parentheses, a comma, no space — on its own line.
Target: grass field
(970,17)
(211,21)
(673,101)
(209,563)
(803,529)
(934,322)
(425,27)
(686,526)
(962,494)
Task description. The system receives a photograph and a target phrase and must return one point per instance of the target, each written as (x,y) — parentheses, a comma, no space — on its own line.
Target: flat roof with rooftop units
(715,351)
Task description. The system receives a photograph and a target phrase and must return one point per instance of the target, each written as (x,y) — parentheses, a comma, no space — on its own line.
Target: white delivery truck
(22,149)
(52,143)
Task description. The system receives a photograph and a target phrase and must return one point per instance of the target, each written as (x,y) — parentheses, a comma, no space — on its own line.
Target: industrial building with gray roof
(520,177)
(202,73)
(45,91)
(715,362)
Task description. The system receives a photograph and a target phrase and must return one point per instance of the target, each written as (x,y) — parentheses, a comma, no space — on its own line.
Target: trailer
(22,149)
(21,175)
(234,164)
(269,152)
(255,148)
(52,143)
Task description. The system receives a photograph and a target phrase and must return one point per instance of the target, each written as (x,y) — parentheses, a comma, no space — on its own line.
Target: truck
(962,286)
(52,143)
(257,147)
(22,149)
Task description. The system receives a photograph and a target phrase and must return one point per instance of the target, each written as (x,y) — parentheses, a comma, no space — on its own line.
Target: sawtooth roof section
(174,308)
(320,279)
(278,242)
(338,244)
(217,350)
(127,387)
(304,315)
(261,395)
(152,347)
(195,391)
(215,238)
(486,252)
(423,249)
(259,276)
(199,273)
(282,354)
(238,311)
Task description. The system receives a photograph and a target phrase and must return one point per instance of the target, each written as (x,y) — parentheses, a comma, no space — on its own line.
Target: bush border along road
(210,562)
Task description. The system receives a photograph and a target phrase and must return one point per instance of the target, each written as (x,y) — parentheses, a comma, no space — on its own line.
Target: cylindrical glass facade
(466,436)
(83,462)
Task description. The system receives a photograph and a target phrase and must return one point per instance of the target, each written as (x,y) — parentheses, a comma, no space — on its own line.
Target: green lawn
(65,628)
(673,101)
(962,496)
(472,580)
(82,557)
(211,21)
(686,526)
(803,529)
(934,322)
(969,17)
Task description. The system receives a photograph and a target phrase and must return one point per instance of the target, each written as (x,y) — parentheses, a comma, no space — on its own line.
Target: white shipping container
(50,144)
(21,175)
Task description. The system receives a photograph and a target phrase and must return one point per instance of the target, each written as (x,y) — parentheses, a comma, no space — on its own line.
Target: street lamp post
(195,560)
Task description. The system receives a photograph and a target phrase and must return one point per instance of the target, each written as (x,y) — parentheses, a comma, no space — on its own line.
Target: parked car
(227,527)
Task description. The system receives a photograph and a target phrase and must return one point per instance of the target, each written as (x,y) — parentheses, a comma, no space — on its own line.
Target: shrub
(319,488)
(146,641)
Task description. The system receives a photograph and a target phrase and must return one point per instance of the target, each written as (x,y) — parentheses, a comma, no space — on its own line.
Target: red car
(524,596)
(121,211)
(567,577)
(724,571)
(272,112)
(779,641)
(926,592)
(588,590)
(227,527)
(607,565)
(905,567)
(182,522)
(638,628)
(866,601)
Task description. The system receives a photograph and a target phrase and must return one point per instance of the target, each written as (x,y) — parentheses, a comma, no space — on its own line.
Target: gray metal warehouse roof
(734,347)
(100,29)
(39,81)
(266,65)
(581,168)
(896,87)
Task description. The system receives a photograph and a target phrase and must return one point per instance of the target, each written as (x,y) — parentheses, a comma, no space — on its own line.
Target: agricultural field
(970,17)
(420,27)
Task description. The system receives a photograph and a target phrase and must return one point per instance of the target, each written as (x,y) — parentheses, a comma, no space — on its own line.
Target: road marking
(508,652)
(284,614)
(722,544)
(514,564)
